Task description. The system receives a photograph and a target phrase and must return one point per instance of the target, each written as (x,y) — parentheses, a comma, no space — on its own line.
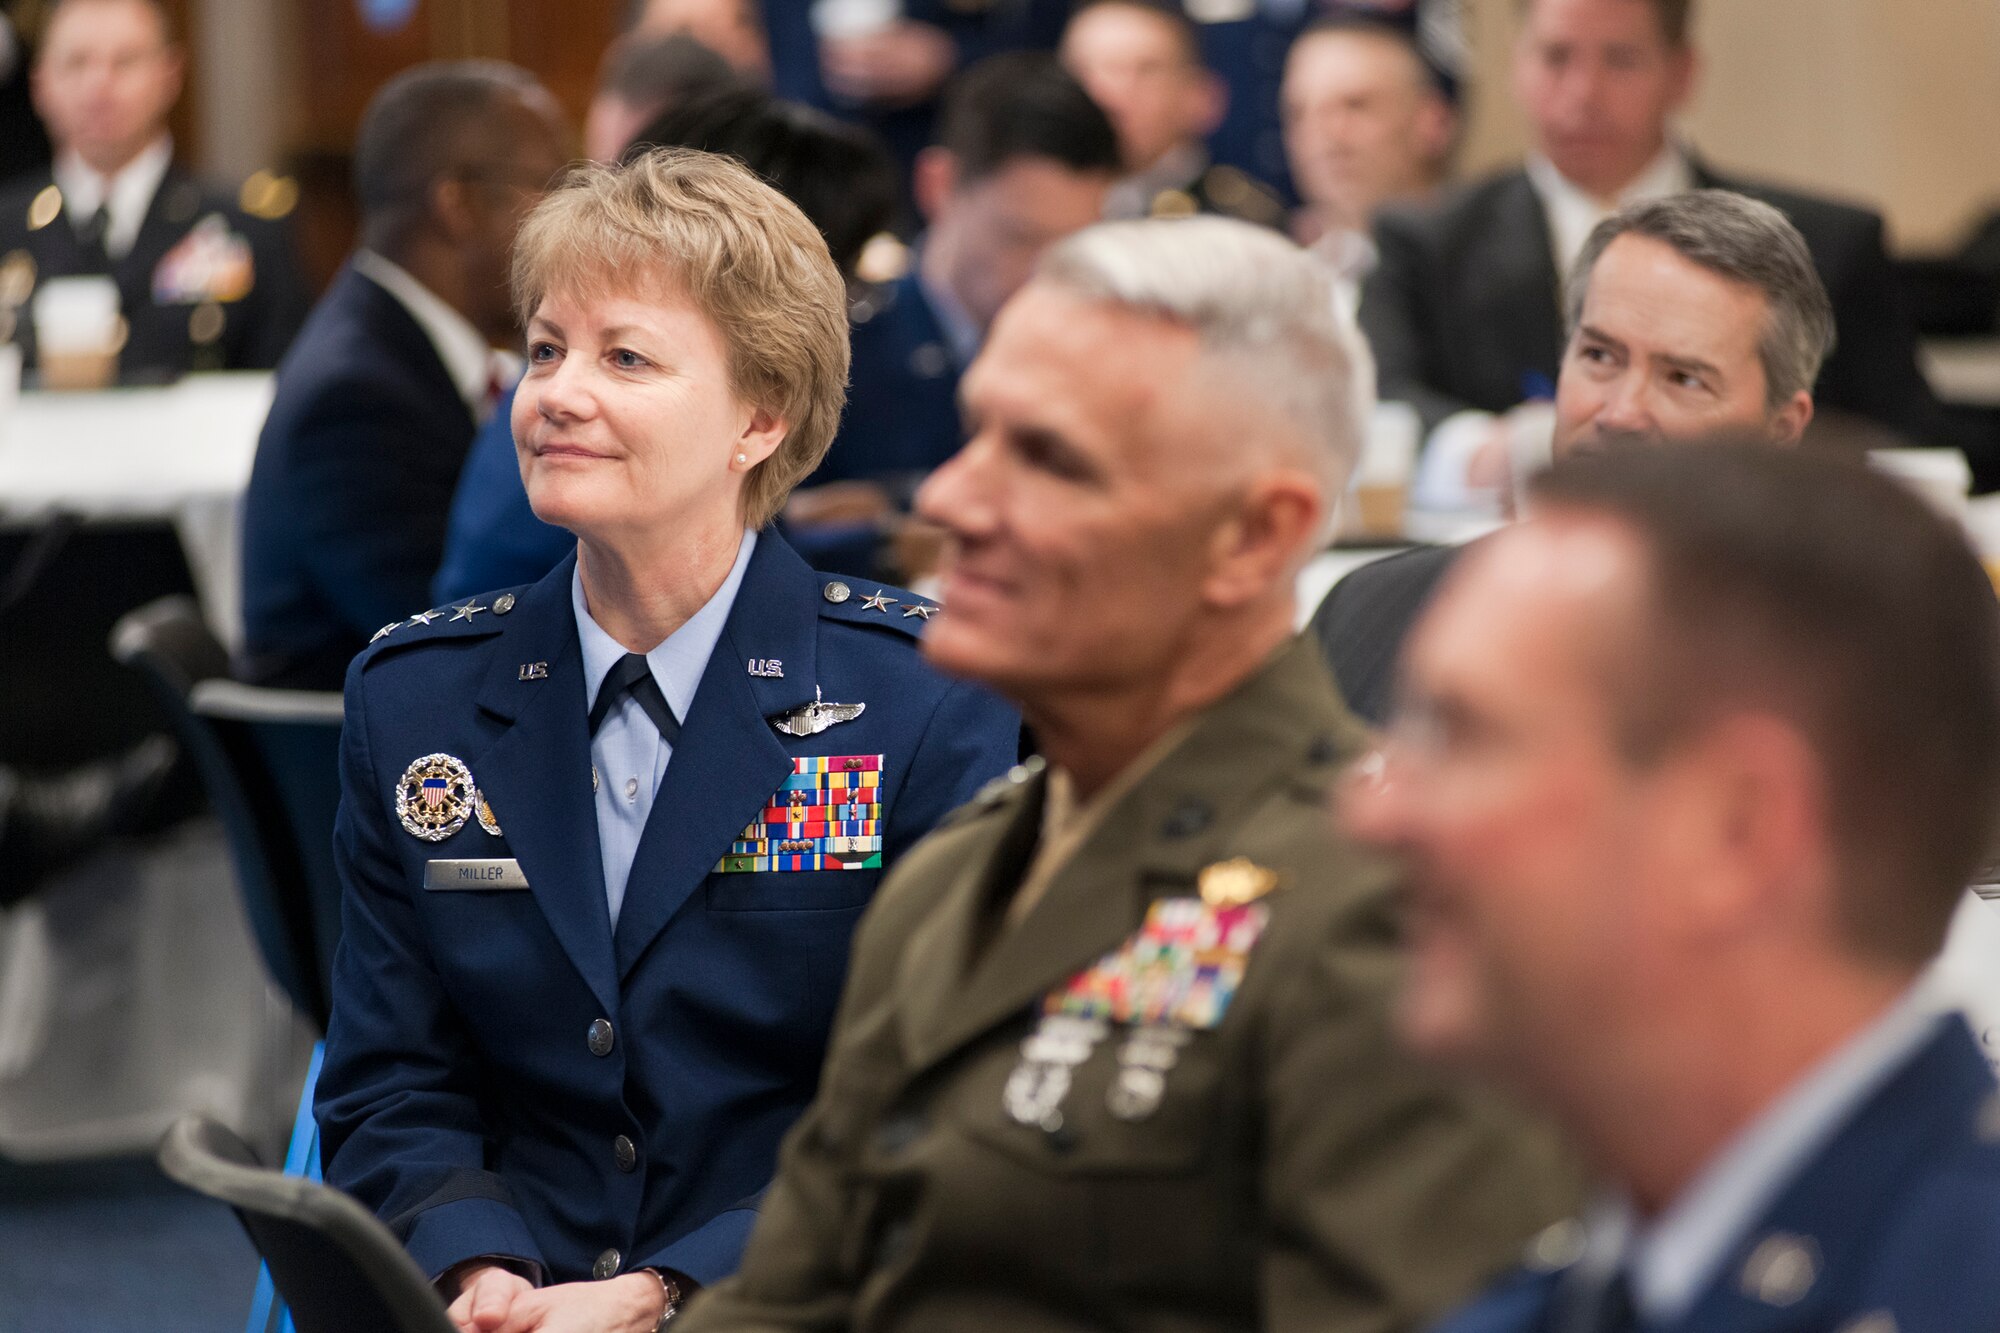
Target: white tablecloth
(181,454)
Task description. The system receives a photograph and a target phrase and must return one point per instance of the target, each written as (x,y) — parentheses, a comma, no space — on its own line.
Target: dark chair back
(338,1268)
(296,733)
(170,645)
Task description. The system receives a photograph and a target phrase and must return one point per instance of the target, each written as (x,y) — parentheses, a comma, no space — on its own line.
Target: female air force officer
(604,838)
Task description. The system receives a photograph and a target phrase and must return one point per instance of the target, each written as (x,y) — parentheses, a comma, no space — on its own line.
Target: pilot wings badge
(816,716)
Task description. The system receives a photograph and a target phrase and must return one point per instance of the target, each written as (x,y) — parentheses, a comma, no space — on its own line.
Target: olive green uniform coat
(1301,1173)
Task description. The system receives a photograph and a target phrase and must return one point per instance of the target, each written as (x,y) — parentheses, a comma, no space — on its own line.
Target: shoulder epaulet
(1239,195)
(472,618)
(267,195)
(996,793)
(876,605)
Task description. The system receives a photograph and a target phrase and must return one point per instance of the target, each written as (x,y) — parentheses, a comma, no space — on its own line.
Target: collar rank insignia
(817,716)
(435,797)
(1235,882)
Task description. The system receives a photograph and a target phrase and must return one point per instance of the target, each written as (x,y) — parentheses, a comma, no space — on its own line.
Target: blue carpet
(114,1247)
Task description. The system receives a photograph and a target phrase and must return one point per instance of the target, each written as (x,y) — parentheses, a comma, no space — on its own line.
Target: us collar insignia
(1234,882)
(435,797)
(816,716)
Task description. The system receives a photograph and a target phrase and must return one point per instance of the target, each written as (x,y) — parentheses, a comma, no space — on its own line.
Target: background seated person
(1689,315)
(202,283)
(603,838)
(1023,159)
(837,174)
(1464,309)
(1366,124)
(344,519)
(1142,62)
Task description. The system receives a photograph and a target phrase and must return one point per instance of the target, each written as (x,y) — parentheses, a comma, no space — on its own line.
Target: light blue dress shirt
(628,757)
(1674,1258)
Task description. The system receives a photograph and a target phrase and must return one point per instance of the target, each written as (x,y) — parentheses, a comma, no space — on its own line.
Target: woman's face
(625,419)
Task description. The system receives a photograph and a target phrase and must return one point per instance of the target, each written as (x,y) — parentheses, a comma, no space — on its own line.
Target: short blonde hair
(676,219)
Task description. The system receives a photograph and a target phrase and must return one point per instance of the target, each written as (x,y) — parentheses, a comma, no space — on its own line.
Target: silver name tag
(490,874)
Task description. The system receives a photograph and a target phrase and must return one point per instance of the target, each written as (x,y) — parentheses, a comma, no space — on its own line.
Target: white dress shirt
(474,366)
(628,756)
(1674,1259)
(125,197)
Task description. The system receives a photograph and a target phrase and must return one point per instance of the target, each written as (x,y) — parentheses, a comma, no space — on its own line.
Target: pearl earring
(742,458)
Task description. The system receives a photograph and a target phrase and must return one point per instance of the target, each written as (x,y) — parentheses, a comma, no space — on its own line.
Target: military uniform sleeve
(1395,317)
(1392,1194)
(400,1124)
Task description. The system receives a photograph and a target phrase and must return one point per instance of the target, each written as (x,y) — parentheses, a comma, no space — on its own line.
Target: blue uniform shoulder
(469,619)
(874,605)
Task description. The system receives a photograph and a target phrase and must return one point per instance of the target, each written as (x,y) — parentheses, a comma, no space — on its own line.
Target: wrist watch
(670,1298)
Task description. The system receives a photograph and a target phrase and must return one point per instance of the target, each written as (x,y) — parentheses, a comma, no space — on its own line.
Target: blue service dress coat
(505,1073)
(1891,1228)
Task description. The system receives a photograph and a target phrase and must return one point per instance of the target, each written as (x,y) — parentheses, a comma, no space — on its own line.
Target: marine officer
(1115,1050)
(603,838)
(205,281)
(1690,768)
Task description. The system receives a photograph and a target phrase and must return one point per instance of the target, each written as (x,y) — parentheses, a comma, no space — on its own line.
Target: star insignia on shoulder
(466,612)
(424,617)
(386,630)
(881,601)
(919,610)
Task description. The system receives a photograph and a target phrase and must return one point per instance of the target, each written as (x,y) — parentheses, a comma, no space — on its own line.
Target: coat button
(600,1036)
(624,1154)
(836,592)
(606,1265)
(503,603)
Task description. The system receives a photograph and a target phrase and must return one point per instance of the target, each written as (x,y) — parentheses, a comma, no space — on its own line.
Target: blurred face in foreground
(1666,349)
(1363,123)
(1541,857)
(105,79)
(1090,516)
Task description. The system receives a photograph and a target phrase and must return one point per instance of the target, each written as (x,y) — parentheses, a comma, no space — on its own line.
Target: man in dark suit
(205,281)
(1465,307)
(345,517)
(1678,861)
(1690,316)
(1023,159)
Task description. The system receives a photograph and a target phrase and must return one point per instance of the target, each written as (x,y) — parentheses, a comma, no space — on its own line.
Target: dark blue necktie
(632,676)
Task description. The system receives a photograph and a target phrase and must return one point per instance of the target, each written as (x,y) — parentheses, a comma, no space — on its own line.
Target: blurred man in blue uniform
(1142,62)
(1023,159)
(205,281)
(344,521)
(1690,769)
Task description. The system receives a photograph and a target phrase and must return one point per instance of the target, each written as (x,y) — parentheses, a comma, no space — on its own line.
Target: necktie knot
(631,675)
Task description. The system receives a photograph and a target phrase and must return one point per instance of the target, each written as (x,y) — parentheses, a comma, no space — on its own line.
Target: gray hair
(1252,297)
(1746,241)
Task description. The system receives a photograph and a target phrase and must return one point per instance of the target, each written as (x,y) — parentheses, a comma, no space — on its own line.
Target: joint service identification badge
(435,797)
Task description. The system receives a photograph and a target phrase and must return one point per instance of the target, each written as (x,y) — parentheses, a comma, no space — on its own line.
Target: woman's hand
(486,1299)
(628,1304)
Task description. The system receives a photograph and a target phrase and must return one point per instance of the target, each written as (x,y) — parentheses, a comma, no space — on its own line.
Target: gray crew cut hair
(1746,241)
(1254,299)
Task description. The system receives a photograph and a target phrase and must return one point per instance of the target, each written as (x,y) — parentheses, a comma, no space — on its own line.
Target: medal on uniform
(1035,1090)
(484,810)
(1176,976)
(826,816)
(435,797)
